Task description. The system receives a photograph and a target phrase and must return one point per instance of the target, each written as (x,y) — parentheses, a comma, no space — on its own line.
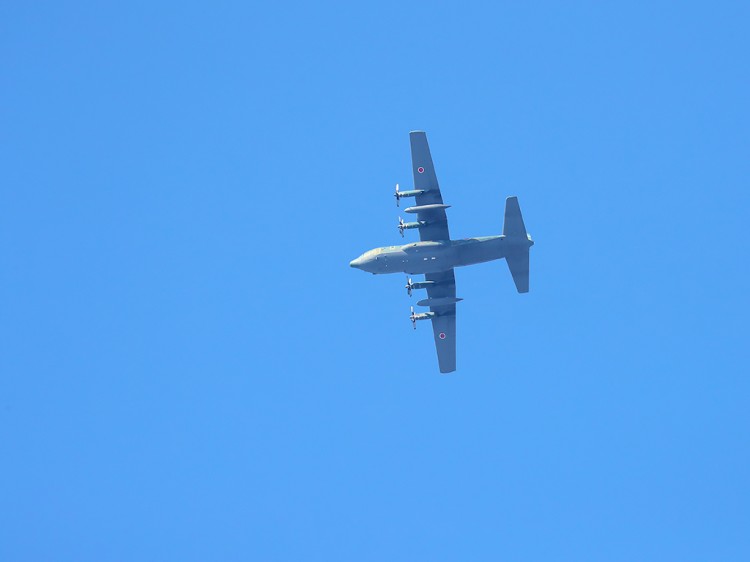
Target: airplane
(436,255)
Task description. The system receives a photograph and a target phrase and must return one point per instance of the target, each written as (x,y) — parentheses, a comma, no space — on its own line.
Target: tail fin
(513,226)
(518,244)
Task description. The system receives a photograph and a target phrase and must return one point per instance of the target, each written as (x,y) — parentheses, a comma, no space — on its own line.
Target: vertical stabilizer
(513,226)
(517,243)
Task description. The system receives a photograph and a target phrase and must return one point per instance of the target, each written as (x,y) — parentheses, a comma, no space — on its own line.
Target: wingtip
(417,132)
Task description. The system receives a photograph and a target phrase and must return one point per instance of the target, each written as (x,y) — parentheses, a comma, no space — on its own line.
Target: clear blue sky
(191,371)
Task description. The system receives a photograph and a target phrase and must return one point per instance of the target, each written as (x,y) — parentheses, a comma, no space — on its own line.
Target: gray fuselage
(428,257)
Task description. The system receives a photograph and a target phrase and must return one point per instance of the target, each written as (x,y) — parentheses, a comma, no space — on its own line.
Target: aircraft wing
(425,179)
(444,321)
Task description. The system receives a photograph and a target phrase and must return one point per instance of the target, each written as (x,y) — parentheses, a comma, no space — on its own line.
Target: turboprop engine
(399,194)
(406,225)
(419,316)
(418,285)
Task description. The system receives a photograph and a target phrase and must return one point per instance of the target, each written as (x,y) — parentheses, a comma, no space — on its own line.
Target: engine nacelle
(422,284)
(412,193)
(423,315)
(414,316)
(407,225)
(410,285)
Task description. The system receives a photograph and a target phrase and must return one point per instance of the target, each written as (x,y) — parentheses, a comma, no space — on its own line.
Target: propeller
(401,226)
(413,318)
(409,286)
(397,195)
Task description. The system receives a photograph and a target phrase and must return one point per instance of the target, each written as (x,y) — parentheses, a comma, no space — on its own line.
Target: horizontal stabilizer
(518,263)
(518,243)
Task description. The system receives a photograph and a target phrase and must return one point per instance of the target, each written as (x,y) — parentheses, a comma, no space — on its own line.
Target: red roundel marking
(442,335)
(420,170)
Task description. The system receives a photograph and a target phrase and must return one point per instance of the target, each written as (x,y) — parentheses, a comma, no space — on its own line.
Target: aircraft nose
(355,263)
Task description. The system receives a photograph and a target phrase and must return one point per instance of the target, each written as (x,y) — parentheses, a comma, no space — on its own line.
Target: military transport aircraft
(436,255)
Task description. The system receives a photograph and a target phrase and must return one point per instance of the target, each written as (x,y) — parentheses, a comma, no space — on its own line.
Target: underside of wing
(444,321)
(435,227)
(444,331)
